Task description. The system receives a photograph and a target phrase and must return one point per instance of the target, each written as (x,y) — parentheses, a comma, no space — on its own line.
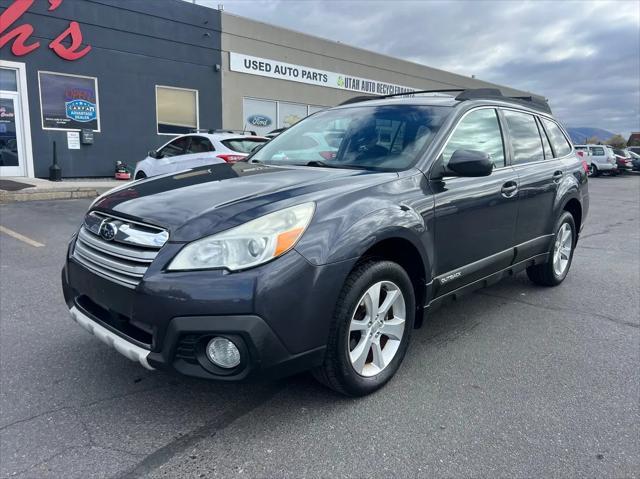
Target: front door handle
(557,175)
(509,189)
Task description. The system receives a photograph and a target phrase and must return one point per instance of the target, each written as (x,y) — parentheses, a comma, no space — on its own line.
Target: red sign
(21,34)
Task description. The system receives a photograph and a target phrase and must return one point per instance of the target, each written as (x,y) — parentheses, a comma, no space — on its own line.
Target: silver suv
(600,158)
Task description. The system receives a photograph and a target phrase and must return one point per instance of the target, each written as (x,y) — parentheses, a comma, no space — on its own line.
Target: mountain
(581,134)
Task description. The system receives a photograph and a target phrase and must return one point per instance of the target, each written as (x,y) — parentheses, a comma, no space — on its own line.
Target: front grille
(123,258)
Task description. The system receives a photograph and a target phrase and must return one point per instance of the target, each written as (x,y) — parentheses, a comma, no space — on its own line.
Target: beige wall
(241,35)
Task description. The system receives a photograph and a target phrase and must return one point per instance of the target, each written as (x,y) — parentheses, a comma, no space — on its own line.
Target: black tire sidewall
(377,271)
(140,176)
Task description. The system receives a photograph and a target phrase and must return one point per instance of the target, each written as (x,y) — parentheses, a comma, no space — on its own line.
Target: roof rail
(222,130)
(466,94)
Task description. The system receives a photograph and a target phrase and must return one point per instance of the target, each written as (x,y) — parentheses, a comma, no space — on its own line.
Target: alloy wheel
(377,328)
(562,249)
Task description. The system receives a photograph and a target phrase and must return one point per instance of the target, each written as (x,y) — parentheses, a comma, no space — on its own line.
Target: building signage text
(19,35)
(286,71)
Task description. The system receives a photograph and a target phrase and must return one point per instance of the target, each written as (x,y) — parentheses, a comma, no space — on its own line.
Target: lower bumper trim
(124,347)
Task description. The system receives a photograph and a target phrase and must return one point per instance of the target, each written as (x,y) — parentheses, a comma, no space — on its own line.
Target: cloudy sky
(583,56)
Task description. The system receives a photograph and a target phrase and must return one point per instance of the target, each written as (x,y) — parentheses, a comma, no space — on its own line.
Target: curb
(49,194)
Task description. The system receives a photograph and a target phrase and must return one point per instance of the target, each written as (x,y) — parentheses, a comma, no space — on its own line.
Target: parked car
(601,159)
(635,160)
(623,160)
(634,149)
(197,149)
(272,266)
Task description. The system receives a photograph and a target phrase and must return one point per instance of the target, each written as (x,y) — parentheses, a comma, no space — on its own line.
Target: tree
(617,141)
(594,140)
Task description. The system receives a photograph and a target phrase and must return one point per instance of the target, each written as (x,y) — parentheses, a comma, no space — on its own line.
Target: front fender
(396,221)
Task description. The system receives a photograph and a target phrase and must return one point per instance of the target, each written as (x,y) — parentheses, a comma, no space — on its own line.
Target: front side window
(379,138)
(176,147)
(480,131)
(560,144)
(525,137)
(177,110)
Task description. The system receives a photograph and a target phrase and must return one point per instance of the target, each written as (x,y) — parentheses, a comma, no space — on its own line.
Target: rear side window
(200,144)
(560,144)
(525,137)
(597,151)
(479,131)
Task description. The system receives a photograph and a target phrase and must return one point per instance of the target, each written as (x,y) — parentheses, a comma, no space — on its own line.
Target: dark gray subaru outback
(330,244)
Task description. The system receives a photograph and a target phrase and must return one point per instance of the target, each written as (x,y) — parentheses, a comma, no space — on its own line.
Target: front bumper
(277,314)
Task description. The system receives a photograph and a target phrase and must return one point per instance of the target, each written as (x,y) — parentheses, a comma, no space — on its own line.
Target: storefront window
(68,102)
(8,80)
(259,115)
(177,110)
(290,114)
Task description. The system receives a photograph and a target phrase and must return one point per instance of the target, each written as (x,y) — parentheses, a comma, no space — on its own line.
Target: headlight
(247,245)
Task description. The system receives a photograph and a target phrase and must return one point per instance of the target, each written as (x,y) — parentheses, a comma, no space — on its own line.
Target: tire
(555,269)
(140,175)
(350,330)
(593,170)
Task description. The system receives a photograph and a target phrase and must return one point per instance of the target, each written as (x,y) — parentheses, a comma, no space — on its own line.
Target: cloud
(583,56)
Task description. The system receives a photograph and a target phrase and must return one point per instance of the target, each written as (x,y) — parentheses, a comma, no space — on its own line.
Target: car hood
(202,201)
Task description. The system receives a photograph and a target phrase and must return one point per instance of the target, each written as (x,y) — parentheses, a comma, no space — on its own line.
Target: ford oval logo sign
(259,120)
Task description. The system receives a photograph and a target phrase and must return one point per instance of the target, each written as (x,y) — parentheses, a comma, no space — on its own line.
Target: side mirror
(154,154)
(470,163)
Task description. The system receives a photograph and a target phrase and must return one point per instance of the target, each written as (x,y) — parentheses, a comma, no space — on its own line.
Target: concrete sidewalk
(40,189)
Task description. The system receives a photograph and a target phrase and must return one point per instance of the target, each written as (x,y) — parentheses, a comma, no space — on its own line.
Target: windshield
(382,138)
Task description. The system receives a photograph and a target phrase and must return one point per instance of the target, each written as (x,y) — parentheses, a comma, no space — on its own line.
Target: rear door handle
(509,189)
(557,175)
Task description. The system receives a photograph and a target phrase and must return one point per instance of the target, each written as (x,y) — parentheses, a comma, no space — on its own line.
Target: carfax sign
(287,71)
(68,102)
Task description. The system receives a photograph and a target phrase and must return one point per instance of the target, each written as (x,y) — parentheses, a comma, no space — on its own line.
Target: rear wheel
(555,269)
(371,328)
(140,175)
(593,170)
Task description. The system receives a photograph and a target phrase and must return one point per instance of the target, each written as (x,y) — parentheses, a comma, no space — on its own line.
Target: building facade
(108,80)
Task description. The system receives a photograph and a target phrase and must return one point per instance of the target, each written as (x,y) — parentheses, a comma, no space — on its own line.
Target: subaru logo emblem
(108,231)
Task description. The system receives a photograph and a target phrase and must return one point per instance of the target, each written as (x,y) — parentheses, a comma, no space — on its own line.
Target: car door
(198,153)
(474,217)
(539,175)
(169,154)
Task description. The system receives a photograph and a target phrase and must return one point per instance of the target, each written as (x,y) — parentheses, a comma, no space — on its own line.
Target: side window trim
(506,138)
(543,131)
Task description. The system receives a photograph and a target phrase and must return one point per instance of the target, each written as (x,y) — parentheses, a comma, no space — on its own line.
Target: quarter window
(560,144)
(525,137)
(479,131)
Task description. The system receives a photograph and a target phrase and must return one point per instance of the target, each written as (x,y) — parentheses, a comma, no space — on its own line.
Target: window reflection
(559,142)
(479,131)
(525,137)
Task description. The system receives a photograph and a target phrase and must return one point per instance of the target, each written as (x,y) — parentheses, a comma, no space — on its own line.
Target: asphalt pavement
(512,381)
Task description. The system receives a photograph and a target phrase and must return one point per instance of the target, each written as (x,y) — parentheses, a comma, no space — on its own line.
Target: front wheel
(371,328)
(555,269)
(140,175)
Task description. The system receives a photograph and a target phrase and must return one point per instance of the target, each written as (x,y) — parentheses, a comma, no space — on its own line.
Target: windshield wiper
(322,164)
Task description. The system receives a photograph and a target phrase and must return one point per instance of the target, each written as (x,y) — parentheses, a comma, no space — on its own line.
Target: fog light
(222,352)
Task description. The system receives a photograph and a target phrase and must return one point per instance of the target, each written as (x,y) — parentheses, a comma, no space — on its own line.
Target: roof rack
(223,130)
(467,94)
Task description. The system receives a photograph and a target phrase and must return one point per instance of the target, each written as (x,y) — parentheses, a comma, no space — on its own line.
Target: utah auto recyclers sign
(312,76)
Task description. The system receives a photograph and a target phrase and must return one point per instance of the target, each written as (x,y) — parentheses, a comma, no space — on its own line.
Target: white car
(197,149)
(600,158)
